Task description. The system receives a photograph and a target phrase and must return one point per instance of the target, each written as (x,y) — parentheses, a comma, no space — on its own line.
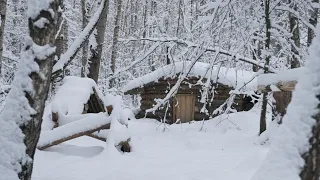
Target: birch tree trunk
(41,36)
(3,11)
(86,44)
(263,124)
(96,52)
(115,40)
(314,21)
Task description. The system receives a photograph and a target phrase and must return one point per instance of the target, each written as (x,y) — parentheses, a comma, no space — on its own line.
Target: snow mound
(227,76)
(73,94)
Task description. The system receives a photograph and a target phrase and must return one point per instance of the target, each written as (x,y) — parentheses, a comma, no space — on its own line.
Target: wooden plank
(96,136)
(75,129)
(182,112)
(193,104)
(76,135)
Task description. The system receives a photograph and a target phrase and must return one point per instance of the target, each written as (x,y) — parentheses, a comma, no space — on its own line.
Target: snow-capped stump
(76,96)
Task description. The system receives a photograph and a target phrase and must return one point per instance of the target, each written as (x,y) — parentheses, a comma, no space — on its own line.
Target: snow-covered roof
(281,76)
(73,94)
(227,76)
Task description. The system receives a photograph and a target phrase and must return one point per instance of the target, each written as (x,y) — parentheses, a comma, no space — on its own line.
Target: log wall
(158,90)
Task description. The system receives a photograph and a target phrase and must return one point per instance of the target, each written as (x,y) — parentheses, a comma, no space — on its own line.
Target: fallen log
(73,130)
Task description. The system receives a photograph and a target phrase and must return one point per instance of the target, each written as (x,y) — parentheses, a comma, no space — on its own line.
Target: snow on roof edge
(227,76)
(281,76)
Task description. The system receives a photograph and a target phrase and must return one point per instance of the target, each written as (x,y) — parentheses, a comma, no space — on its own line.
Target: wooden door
(183,108)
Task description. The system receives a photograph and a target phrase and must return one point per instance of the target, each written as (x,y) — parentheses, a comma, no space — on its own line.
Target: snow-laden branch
(295,13)
(139,59)
(68,56)
(207,48)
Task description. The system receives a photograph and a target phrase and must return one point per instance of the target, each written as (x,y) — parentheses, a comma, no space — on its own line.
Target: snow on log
(85,126)
(282,80)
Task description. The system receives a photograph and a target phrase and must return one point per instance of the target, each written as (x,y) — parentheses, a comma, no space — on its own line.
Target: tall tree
(61,47)
(85,47)
(43,28)
(263,124)
(96,47)
(118,5)
(294,29)
(312,20)
(3,11)
(26,100)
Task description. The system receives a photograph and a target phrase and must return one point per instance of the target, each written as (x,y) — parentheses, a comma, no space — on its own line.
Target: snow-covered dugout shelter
(186,105)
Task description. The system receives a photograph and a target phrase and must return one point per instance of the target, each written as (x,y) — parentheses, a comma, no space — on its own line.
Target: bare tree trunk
(179,18)
(115,40)
(151,32)
(294,29)
(96,52)
(86,44)
(61,47)
(41,36)
(3,11)
(314,21)
(263,124)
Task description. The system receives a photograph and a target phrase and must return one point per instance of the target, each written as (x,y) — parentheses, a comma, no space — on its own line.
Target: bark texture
(311,170)
(3,11)
(41,82)
(96,52)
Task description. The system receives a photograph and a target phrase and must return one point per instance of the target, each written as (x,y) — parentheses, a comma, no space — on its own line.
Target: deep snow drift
(224,148)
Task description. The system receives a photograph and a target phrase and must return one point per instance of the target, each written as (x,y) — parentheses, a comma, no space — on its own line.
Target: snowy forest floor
(226,148)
